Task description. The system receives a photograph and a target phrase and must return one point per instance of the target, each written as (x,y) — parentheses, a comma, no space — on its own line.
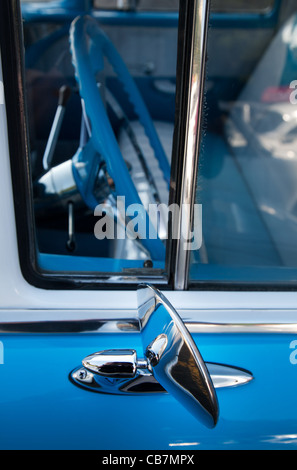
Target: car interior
(101,97)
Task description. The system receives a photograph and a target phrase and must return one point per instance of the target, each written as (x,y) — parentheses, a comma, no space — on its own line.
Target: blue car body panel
(49,412)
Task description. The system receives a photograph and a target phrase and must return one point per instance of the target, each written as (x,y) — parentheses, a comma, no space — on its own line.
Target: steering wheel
(89,47)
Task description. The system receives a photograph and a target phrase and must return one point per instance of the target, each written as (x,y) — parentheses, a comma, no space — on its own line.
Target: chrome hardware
(38,322)
(172,363)
(117,364)
(144,383)
(155,350)
(194,107)
(177,363)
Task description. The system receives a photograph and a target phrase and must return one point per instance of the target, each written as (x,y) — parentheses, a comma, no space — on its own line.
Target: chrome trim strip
(224,376)
(71,327)
(193,126)
(288,328)
(131,325)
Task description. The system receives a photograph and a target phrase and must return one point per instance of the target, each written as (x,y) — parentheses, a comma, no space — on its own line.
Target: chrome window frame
(192,137)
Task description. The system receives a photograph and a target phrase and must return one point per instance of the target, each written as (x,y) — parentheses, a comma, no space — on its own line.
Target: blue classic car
(148,242)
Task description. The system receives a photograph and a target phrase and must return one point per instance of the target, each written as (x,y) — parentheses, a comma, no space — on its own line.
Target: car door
(234,286)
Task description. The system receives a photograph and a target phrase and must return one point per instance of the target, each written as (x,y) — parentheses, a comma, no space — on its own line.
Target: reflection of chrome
(225,376)
(179,367)
(155,350)
(113,363)
(194,114)
(57,321)
(143,382)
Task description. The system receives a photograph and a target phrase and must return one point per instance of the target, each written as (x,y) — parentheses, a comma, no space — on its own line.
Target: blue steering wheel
(89,46)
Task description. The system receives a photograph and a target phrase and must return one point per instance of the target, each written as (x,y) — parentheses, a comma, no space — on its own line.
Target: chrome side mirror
(171,363)
(173,356)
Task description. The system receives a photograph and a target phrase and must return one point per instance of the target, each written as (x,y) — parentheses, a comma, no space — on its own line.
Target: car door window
(101,173)
(247,174)
(100,170)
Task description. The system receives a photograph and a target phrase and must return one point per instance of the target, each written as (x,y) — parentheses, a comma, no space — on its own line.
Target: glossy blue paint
(42,409)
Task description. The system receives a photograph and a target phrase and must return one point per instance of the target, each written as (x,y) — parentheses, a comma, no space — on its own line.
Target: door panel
(41,408)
